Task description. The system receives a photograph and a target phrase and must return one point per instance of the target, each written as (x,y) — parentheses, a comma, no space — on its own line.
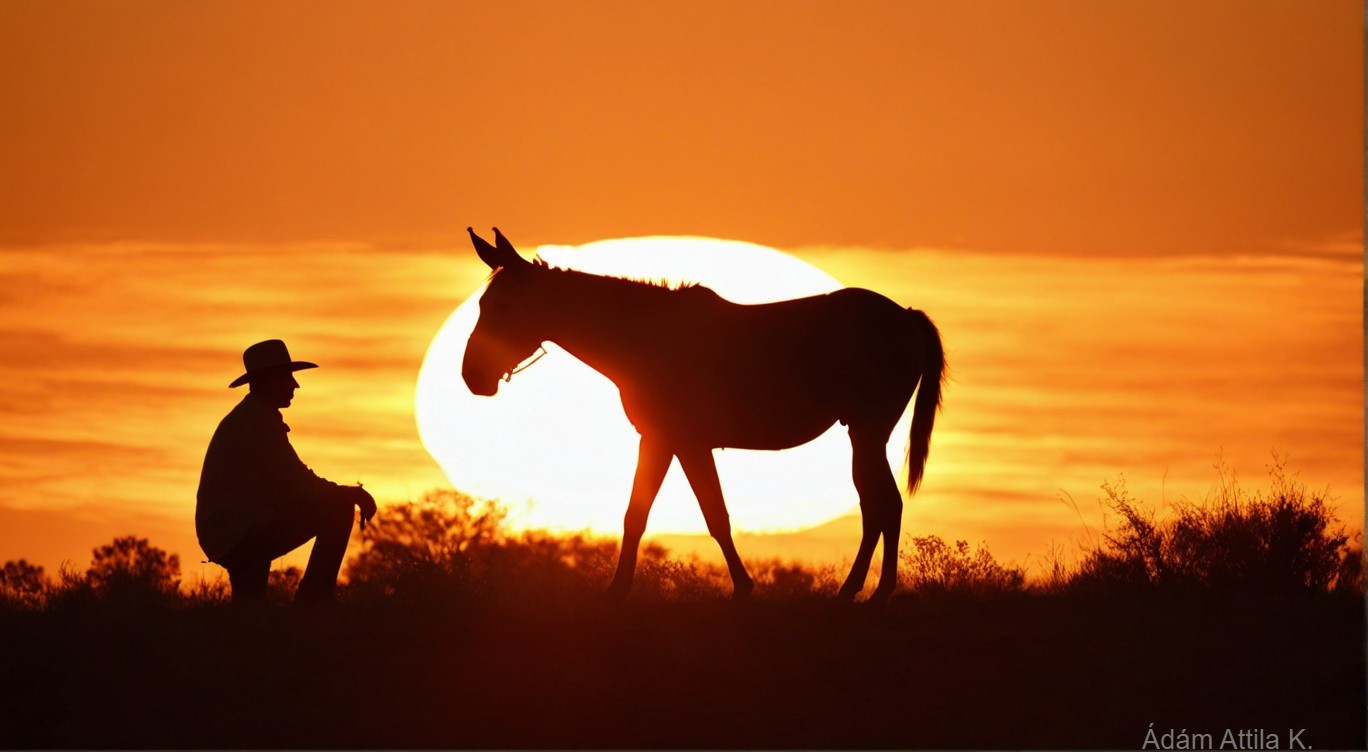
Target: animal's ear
(487,253)
(504,247)
(501,254)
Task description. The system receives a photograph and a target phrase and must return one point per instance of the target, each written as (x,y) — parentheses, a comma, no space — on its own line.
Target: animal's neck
(602,321)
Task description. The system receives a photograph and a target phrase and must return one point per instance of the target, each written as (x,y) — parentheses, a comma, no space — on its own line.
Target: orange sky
(1064,374)
(1089,127)
(1139,224)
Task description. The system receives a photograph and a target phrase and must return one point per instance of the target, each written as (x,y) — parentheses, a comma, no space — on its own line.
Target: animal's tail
(931,359)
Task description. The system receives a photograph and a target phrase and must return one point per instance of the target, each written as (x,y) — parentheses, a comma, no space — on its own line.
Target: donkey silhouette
(697,372)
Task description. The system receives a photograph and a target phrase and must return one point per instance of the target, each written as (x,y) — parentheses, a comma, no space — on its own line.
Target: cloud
(1064,373)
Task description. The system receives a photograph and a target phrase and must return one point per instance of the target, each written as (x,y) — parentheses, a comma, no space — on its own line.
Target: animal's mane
(658,283)
(639,288)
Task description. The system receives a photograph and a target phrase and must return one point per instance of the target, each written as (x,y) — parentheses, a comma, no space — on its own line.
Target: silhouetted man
(257,501)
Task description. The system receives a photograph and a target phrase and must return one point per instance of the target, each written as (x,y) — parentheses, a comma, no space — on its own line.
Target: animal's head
(508,330)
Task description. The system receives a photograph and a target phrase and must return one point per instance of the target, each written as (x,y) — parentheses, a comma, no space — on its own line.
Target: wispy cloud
(1064,374)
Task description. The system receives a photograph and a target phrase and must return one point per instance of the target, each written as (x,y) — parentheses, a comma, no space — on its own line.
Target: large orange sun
(554,446)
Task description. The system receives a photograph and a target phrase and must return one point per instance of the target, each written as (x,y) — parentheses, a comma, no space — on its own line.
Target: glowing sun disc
(555,447)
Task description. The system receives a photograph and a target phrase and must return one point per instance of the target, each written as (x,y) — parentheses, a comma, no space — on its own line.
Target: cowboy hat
(266,357)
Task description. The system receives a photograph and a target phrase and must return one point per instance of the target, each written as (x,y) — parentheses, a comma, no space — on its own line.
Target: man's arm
(270,448)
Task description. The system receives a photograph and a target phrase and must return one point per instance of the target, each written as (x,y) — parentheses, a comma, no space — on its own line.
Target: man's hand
(366,503)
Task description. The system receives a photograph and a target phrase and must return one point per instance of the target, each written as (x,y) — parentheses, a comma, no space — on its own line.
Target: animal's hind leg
(881,475)
(869,537)
(881,511)
(653,461)
(702,473)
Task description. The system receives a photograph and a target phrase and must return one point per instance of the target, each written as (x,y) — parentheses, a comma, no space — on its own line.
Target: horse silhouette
(697,372)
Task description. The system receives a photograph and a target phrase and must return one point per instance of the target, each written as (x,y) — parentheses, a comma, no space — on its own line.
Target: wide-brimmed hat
(265,357)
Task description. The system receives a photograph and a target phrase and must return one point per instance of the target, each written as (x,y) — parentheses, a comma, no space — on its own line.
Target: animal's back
(771,375)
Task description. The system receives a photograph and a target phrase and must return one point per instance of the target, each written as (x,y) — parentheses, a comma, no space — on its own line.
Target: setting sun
(554,444)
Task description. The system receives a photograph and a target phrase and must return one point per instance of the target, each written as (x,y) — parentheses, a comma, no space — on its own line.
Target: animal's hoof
(742,591)
(847,594)
(615,593)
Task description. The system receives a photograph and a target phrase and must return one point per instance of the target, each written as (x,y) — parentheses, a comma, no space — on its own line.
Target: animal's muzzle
(478,382)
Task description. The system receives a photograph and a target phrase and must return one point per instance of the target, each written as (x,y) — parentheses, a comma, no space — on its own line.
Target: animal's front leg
(702,473)
(653,461)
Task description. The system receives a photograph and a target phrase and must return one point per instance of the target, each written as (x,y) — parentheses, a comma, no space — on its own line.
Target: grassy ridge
(1242,612)
(1047,671)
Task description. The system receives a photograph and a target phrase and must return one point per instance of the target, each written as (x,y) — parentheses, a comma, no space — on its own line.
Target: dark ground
(1021,671)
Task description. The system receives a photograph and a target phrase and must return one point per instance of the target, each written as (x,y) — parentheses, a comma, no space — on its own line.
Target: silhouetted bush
(448,545)
(430,546)
(207,592)
(792,580)
(930,565)
(660,577)
(131,569)
(1349,578)
(1285,539)
(281,584)
(22,584)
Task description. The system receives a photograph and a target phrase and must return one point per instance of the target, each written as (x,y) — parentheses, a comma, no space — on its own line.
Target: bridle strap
(526,364)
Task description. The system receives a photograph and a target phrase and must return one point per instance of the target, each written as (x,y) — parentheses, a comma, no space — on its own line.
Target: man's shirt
(250,470)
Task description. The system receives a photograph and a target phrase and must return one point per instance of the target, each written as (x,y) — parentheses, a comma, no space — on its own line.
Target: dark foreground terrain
(1236,623)
(1024,671)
